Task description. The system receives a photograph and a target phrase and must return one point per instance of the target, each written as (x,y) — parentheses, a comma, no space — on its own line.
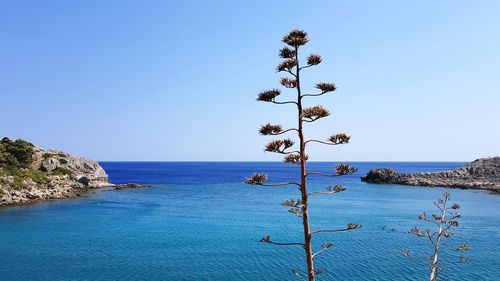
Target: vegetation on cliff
(16,154)
(16,158)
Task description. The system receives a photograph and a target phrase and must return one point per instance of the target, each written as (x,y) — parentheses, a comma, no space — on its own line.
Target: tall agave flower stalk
(444,222)
(292,67)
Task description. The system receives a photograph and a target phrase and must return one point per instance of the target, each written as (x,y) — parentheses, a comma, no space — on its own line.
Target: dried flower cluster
(417,232)
(294,158)
(325,87)
(405,253)
(292,203)
(286,65)
(339,138)
(256,179)
(288,82)
(326,246)
(353,226)
(336,188)
(279,146)
(314,113)
(269,95)
(296,206)
(464,260)
(269,129)
(463,247)
(296,211)
(266,239)
(287,53)
(295,38)
(344,169)
(313,59)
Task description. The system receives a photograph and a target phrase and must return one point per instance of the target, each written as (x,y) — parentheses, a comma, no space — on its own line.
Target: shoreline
(77,193)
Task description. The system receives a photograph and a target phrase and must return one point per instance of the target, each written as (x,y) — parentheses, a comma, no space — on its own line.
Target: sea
(202,223)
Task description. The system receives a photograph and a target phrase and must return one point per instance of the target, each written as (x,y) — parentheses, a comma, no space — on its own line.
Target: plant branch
(306,66)
(323,192)
(430,236)
(282,132)
(313,95)
(325,247)
(278,184)
(460,261)
(282,152)
(323,142)
(284,102)
(267,239)
(312,119)
(323,174)
(330,190)
(350,226)
(285,244)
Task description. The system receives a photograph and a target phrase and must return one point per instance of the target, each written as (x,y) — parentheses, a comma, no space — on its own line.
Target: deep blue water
(203,224)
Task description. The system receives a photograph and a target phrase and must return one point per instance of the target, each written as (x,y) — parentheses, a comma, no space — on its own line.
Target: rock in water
(482,173)
(132,185)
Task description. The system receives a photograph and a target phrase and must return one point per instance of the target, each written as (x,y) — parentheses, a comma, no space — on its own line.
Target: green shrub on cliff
(61,171)
(22,174)
(15,160)
(16,154)
(48,155)
(36,176)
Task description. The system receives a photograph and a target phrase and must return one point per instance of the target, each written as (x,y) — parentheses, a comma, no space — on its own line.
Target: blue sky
(177,80)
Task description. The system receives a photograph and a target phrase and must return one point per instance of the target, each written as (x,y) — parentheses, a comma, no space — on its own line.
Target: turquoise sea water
(203,224)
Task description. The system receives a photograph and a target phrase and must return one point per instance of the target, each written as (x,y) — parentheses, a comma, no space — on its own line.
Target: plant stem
(434,268)
(303,173)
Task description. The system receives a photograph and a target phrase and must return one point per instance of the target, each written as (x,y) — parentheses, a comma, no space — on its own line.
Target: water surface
(203,224)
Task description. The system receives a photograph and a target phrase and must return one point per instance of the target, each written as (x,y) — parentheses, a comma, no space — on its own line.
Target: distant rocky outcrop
(132,185)
(29,173)
(482,173)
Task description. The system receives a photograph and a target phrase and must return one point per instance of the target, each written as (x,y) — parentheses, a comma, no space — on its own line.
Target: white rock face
(84,170)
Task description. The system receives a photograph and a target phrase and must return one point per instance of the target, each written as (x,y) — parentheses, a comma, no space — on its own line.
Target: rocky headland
(29,174)
(482,173)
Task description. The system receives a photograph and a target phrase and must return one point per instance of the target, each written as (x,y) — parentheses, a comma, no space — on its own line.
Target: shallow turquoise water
(203,224)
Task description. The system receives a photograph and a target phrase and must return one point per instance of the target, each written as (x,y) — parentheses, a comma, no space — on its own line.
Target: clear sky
(177,80)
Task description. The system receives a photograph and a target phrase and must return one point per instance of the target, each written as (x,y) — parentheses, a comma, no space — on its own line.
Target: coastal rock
(49,164)
(482,173)
(82,170)
(51,174)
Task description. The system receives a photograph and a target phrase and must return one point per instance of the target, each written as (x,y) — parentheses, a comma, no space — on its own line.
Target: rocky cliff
(482,173)
(29,173)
